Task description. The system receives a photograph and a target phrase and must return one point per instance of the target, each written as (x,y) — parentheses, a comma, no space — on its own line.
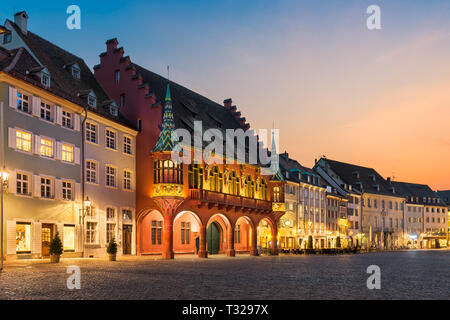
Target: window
(127,145)
(23,184)
(263,190)
(276,194)
(45,78)
(91,171)
(110,139)
(76,72)
(23,238)
(46,188)
(215,180)
(46,148)
(110,213)
(67,119)
(7,38)
(23,141)
(127,215)
(67,190)
(91,232)
(166,171)
(46,111)
(185,232)
(122,100)
(195,175)
(139,125)
(67,153)
(90,212)
(110,231)
(249,187)
(237,234)
(113,109)
(92,100)
(91,132)
(110,176)
(23,102)
(127,180)
(117,76)
(234,183)
(69,238)
(156,232)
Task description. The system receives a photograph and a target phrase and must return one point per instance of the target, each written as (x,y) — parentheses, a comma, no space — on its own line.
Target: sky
(377,98)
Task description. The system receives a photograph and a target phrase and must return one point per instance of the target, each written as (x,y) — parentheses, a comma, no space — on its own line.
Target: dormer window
(76,72)
(113,109)
(45,77)
(7,38)
(92,100)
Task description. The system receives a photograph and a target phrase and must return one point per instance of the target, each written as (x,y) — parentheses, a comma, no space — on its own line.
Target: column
(254,249)
(167,253)
(202,253)
(230,247)
(274,240)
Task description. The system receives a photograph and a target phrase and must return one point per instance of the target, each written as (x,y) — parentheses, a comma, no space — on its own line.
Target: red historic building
(189,208)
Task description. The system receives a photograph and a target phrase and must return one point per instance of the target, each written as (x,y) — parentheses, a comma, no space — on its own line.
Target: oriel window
(195,174)
(166,171)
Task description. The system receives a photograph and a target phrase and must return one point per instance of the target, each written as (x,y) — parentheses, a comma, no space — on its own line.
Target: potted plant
(56,249)
(112,249)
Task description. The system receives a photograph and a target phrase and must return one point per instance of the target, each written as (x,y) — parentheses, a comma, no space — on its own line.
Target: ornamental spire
(167,139)
(275,161)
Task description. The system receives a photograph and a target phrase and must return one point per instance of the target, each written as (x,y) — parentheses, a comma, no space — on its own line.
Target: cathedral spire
(275,161)
(166,140)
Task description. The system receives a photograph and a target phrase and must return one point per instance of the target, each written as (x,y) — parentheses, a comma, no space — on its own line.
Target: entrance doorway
(213,238)
(46,236)
(126,238)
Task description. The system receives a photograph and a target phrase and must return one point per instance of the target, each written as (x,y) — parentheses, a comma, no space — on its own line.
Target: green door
(213,239)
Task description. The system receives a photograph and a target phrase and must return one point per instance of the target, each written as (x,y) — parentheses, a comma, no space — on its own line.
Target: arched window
(263,190)
(166,171)
(235,186)
(215,180)
(276,194)
(249,187)
(195,174)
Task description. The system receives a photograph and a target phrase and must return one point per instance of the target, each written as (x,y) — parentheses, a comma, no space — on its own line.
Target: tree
(338,242)
(56,247)
(112,246)
(310,242)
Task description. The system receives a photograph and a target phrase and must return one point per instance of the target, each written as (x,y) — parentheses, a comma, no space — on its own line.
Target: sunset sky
(375,98)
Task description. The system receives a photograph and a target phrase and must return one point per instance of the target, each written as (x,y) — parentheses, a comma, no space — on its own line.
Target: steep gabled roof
(289,167)
(416,190)
(445,196)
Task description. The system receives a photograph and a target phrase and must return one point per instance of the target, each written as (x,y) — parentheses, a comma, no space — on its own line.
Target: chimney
(227,103)
(21,19)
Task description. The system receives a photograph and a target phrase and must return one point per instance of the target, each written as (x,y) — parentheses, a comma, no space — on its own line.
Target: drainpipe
(83,176)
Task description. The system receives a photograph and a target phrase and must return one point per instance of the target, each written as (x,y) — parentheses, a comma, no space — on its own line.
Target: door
(213,239)
(126,236)
(46,236)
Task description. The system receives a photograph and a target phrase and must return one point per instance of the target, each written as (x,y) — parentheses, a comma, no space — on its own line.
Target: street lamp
(3,30)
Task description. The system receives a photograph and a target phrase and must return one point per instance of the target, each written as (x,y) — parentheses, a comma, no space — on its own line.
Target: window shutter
(13,98)
(60,230)
(78,238)
(78,192)
(36,186)
(36,242)
(58,150)
(58,189)
(11,237)
(12,138)
(58,115)
(76,122)
(37,144)
(12,182)
(77,155)
(101,229)
(36,106)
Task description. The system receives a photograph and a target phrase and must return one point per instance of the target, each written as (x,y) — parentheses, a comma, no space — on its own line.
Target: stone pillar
(202,253)
(274,240)
(254,249)
(230,238)
(167,253)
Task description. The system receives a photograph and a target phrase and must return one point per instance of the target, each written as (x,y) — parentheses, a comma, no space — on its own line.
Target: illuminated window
(185,232)
(235,184)
(156,232)
(46,188)
(67,153)
(127,145)
(127,215)
(249,187)
(23,238)
(46,148)
(23,102)
(263,190)
(23,183)
(195,175)
(110,176)
(91,232)
(166,171)
(110,139)
(127,180)
(215,180)
(69,238)
(91,171)
(46,111)
(23,141)
(110,231)
(67,190)
(276,194)
(91,132)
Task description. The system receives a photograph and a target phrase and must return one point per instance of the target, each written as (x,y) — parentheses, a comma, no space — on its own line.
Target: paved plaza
(405,275)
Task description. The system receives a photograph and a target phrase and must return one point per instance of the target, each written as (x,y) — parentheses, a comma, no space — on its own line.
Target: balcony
(168,190)
(229,201)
